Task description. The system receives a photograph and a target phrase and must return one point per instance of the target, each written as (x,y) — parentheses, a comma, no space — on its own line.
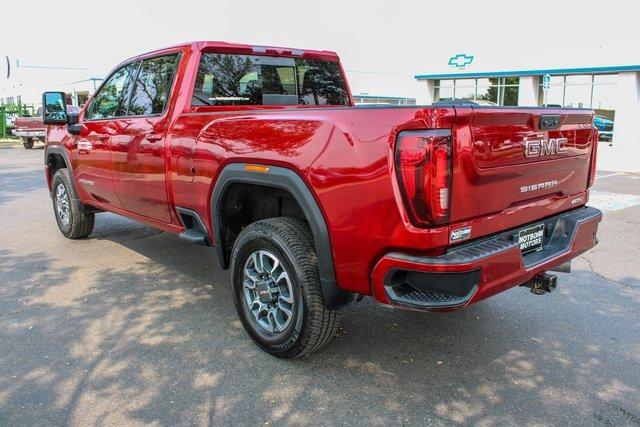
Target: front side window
(228,79)
(111,100)
(153,85)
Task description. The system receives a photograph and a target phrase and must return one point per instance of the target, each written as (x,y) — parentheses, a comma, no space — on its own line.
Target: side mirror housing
(73,118)
(74,126)
(54,111)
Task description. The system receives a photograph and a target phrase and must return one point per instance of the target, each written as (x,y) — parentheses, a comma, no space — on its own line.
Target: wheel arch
(52,152)
(289,181)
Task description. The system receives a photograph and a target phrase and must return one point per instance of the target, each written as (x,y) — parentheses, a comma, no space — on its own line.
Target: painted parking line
(611,202)
(609,175)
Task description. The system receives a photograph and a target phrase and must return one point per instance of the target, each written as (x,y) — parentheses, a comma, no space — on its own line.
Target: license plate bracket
(530,239)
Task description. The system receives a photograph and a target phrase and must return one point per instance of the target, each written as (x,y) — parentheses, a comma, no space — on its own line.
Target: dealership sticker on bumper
(530,239)
(460,234)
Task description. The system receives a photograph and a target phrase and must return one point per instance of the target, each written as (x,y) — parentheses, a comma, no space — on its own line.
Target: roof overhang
(540,72)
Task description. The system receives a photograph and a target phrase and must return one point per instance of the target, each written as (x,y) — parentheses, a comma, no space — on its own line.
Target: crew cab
(312,203)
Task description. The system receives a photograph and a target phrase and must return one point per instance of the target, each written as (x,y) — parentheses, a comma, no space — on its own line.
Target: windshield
(229,79)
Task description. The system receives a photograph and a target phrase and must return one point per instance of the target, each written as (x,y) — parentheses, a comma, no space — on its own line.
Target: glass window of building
(482,89)
(580,91)
(464,88)
(443,89)
(596,91)
(577,96)
(577,91)
(500,91)
(554,96)
(604,92)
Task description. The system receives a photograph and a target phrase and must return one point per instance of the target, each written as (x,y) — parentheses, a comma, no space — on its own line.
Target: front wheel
(27,143)
(276,288)
(72,222)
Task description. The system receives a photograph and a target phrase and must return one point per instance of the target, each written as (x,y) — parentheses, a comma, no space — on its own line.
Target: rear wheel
(72,222)
(276,288)
(27,143)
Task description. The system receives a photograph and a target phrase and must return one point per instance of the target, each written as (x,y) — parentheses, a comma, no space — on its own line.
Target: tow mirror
(54,111)
(74,127)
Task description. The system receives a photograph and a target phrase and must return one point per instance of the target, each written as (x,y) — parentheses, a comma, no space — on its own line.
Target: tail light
(423,165)
(594,154)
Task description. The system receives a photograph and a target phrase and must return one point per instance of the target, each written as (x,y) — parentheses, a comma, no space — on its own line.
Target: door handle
(153,137)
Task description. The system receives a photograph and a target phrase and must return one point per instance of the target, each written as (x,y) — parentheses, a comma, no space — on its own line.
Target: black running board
(194,229)
(194,236)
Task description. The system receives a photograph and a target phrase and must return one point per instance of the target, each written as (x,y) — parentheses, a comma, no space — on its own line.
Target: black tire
(312,324)
(78,224)
(27,143)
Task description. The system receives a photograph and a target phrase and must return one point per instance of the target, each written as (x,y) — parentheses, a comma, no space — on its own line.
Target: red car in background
(32,129)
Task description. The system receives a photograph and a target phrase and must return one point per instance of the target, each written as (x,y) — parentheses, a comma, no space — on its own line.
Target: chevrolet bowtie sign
(461,60)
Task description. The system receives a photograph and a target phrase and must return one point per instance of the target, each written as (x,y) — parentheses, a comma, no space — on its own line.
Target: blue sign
(546,82)
(461,60)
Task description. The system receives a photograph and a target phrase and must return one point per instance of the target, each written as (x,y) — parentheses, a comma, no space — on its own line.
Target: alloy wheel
(62,205)
(268,291)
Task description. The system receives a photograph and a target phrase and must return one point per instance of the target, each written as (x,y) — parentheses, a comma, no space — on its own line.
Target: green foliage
(20,110)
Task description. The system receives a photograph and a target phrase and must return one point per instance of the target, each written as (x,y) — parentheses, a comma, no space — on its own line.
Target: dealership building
(612,91)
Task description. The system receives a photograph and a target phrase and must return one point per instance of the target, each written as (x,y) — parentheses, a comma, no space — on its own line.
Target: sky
(383,44)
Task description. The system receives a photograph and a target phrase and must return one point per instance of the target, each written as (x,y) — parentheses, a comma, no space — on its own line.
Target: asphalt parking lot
(135,326)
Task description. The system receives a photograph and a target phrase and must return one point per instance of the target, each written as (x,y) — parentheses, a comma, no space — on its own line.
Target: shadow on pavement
(154,338)
(159,341)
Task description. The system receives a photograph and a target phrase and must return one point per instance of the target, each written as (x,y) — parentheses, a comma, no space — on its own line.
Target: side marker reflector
(256,168)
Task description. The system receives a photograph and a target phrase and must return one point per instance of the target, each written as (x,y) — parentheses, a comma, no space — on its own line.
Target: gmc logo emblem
(542,147)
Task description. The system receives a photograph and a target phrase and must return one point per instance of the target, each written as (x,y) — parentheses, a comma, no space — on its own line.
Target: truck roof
(244,49)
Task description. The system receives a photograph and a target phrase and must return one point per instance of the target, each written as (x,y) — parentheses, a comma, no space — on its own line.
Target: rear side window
(228,79)
(111,100)
(153,85)
(320,83)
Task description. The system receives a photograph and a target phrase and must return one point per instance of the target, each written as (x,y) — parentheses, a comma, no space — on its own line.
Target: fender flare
(57,149)
(290,181)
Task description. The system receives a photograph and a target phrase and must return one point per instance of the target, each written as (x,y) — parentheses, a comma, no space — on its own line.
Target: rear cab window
(153,84)
(236,80)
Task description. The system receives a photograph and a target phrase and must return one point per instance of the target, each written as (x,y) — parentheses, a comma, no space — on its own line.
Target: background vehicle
(605,128)
(32,129)
(8,114)
(312,203)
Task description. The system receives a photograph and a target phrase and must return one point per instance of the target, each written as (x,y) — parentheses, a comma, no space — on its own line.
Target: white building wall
(427,94)
(528,91)
(624,153)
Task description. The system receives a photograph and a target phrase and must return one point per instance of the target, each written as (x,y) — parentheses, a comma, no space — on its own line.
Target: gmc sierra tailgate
(510,158)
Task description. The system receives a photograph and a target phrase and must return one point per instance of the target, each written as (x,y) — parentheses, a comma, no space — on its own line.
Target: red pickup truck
(313,203)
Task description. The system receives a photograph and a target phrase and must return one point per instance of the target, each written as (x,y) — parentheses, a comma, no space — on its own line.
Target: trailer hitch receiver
(542,283)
